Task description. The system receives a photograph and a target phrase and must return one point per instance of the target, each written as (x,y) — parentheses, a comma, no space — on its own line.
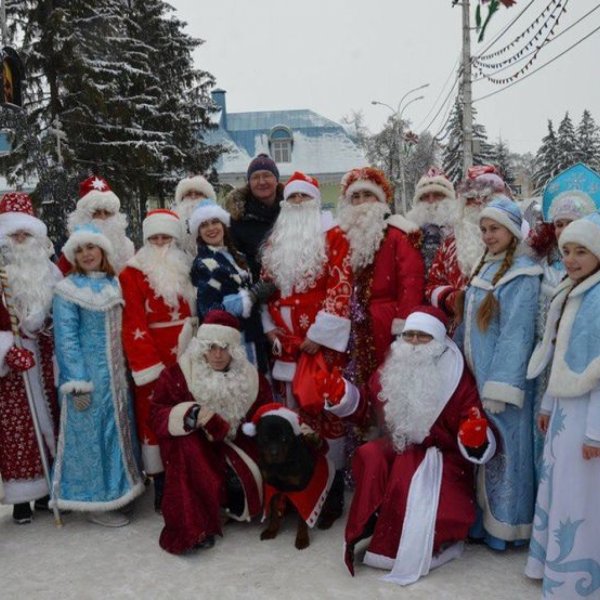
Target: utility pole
(466,94)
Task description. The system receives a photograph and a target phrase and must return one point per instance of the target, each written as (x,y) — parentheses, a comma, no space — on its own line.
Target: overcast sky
(335,56)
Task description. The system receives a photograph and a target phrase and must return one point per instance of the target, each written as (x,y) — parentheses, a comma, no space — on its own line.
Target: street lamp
(397,119)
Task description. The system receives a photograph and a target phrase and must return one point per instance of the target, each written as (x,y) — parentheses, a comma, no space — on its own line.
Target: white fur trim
(500,216)
(571,204)
(434,184)
(267,321)
(246,303)
(16,221)
(367,185)
(283,413)
(435,295)
(503,392)
(330,331)
(196,183)
(348,404)
(176,417)
(205,213)
(70,387)
(398,326)
(18,491)
(188,331)
(584,233)
(303,187)
(512,274)
(283,371)
(418,321)
(148,374)
(151,459)
(256,474)
(214,333)
(97,200)
(7,340)
(79,505)
(79,238)
(162,223)
(489,451)
(109,297)
(402,223)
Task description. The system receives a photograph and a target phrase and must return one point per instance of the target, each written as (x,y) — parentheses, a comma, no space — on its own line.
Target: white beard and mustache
(295,252)
(469,245)
(32,277)
(184,210)
(167,270)
(411,387)
(440,213)
(229,393)
(364,226)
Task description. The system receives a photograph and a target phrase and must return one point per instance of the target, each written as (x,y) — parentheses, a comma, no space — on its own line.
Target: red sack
(310,370)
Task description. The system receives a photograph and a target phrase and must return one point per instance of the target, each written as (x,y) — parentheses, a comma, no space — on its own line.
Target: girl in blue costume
(96,467)
(500,310)
(565,548)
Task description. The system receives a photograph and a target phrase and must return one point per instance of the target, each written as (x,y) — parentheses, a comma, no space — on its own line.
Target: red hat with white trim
(370,179)
(220,327)
(95,194)
(162,221)
(272,409)
(16,214)
(300,183)
(428,319)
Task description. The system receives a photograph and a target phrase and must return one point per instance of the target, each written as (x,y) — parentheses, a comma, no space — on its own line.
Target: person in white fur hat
(189,192)
(434,211)
(159,301)
(198,408)
(99,205)
(31,278)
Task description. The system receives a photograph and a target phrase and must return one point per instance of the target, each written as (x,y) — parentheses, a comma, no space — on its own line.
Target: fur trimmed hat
(220,327)
(87,234)
(16,214)
(504,211)
(585,232)
(367,178)
(204,211)
(95,194)
(300,183)
(434,180)
(162,221)
(272,409)
(428,319)
(195,183)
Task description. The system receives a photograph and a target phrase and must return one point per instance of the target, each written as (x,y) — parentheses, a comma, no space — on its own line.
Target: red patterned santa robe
(151,331)
(20,462)
(321,313)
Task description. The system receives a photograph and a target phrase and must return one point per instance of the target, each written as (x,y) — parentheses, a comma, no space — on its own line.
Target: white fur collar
(85,296)
(402,223)
(529,270)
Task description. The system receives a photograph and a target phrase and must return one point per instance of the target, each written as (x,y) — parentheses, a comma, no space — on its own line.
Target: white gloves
(494,407)
(82,400)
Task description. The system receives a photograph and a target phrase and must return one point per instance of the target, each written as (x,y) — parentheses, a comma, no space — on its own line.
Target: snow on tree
(503,160)
(547,160)
(566,144)
(422,156)
(587,148)
(452,155)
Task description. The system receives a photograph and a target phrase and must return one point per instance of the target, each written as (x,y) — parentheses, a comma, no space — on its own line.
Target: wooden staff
(14,325)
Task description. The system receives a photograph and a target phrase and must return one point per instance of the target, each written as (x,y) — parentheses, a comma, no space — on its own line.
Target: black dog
(287,463)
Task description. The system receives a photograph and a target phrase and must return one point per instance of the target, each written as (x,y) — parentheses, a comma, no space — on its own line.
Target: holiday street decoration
(492,7)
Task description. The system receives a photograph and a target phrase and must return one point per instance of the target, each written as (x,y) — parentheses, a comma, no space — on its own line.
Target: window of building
(281,143)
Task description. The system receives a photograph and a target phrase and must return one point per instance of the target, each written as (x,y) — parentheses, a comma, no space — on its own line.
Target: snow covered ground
(87,561)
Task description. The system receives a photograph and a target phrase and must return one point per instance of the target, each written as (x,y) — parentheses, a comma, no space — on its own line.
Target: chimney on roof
(218,97)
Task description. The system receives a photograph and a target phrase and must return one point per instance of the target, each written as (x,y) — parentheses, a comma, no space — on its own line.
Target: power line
(540,67)
(443,105)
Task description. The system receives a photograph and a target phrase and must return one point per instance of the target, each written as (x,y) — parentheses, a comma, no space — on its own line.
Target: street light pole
(402,150)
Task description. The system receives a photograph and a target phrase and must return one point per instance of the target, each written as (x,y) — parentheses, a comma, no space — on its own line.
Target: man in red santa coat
(159,299)
(31,278)
(198,407)
(99,205)
(459,253)
(389,277)
(307,258)
(414,486)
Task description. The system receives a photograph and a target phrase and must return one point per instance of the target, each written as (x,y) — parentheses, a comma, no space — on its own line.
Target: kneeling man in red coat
(414,486)
(198,408)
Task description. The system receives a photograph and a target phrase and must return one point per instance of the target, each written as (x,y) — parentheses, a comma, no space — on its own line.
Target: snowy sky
(335,56)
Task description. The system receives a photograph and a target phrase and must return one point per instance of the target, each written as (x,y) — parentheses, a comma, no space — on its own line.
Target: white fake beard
(228,393)
(411,388)
(184,210)
(440,213)
(295,252)
(31,276)
(469,246)
(167,270)
(364,226)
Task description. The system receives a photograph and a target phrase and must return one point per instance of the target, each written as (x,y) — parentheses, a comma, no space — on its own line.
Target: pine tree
(546,159)
(588,141)
(503,161)
(566,143)
(452,156)
(422,156)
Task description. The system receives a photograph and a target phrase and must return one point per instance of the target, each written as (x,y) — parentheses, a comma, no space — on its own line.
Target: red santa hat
(274,409)
(194,183)
(428,319)
(162,221)
(484,178)
(220,327)
(304,184)
(95,194)
(367,178)
(16,214)
(434,180)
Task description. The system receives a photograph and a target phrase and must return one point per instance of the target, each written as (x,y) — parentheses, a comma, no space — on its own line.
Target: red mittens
(473,431)
(331,386)
(217,428)
(19,359)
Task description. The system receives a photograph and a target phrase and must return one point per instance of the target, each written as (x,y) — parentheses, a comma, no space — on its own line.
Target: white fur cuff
(176,417)
(147,375)
(284,371)
(330,331)
(76,386)
(7,341)
(246,303)
(489,451)
(503,392)
(435,296)
(348,404)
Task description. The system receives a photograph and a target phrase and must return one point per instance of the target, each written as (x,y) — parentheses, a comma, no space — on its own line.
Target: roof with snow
(317,145)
